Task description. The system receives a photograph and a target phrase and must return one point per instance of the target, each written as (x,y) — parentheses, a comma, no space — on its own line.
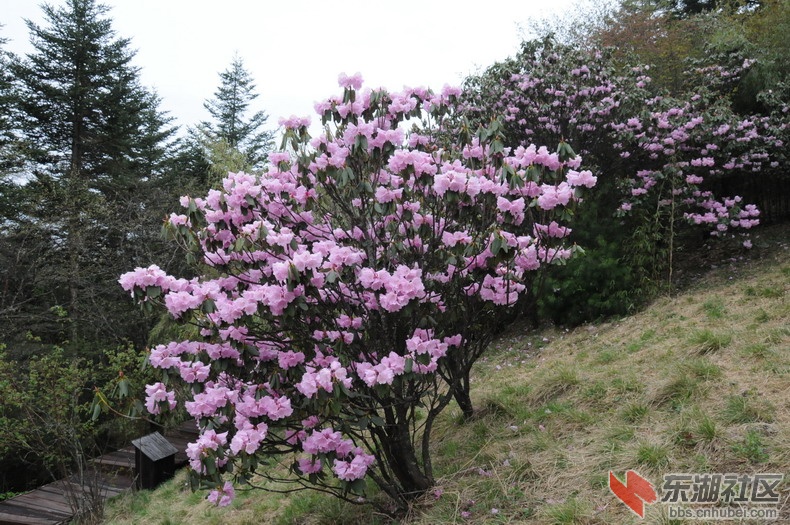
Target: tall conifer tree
(230,125)
(7,96)
(97,140)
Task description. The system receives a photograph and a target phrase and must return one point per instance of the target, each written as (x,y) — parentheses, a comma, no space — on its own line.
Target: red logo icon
(635,492)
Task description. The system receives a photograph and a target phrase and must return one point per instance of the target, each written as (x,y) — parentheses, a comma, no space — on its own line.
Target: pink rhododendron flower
(581,178)
(350,82)
(294,122)
(156,396)
(223,497)
(354,469)
(310,466)
(248,438)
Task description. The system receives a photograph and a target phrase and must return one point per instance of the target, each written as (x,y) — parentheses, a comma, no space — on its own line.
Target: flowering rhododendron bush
(550,92)
(671,148)
(351,287)
(670,162)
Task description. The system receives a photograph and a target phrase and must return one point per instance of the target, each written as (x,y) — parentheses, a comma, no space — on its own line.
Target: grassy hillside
(698,382)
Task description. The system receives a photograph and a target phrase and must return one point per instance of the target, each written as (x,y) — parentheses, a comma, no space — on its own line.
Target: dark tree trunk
(403,477)
(402,459)
(462,397)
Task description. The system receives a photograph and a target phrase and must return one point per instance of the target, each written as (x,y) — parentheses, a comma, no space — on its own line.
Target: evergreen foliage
(96,149)
(8,157)
(231,129)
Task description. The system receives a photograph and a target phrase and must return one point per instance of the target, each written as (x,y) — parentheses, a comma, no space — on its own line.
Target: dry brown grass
(632,394)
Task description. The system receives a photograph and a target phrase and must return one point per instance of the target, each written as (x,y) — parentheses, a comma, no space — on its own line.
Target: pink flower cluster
(153,276)
(248,438)
(224,496)
(329,441)
(686,142)
(158,397)
(687,152)
(400,287)
(354,469)
(581,178)
(425,350)
(207,447)
(323,378)
(382,373)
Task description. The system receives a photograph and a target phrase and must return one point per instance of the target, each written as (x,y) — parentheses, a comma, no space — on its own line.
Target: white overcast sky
(295,49)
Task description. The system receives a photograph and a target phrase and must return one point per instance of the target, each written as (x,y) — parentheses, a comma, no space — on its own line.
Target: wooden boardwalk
(114,474)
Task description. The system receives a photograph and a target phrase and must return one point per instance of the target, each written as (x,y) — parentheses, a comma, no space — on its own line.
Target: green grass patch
(607,356)
(596,392)
(624,384)
(707,341)
(702,368)
(756,351)
(647,335)
(635,412)
(714,308)
(621,433)
(778,335)
(678,391)
(652,456)
(329,511)
(746,408)
(768,292)
(707,430)
(570,512)
(557,382)
(634,347)
(752,448)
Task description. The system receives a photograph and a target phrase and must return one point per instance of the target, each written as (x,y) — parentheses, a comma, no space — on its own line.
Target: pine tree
(230,127)
(10,146)
(14,268)
(97,146)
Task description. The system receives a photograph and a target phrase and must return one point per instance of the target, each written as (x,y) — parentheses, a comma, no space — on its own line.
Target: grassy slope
(698,382)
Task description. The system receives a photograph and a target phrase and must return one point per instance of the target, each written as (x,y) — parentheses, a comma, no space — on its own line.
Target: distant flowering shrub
(664,151)
(667,164)
(680,145)
(351,287)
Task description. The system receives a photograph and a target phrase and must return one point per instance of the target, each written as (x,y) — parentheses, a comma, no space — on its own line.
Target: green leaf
(208,306)
(96,411)
(123,387)
(357,486)
(293,273)
(496,246)
(533,174)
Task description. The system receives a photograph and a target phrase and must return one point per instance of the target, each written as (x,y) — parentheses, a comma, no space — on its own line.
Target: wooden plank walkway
(50,504)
